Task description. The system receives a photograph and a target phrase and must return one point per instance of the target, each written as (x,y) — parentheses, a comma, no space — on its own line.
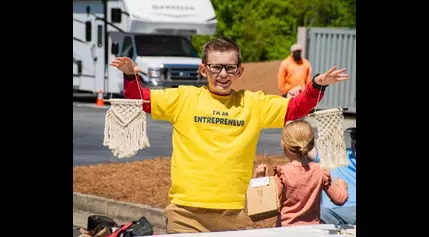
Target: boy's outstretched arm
(302,104)
(161,104)
(131,91)
(130,73)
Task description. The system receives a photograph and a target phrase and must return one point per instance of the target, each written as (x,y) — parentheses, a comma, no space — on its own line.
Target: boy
(215,132)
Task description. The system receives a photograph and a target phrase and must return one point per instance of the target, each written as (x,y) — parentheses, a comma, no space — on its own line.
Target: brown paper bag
(262,199)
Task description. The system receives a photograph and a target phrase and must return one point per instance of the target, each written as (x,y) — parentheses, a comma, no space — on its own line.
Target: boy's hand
(126,65)
(332,76)
(341,183)
(261,171)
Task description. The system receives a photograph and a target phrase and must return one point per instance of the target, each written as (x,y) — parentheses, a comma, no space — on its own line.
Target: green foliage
(265,29)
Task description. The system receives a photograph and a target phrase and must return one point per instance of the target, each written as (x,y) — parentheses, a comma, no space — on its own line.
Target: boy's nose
(223,72)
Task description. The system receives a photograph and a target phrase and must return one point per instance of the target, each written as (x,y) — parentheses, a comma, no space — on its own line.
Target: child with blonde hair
(301,181)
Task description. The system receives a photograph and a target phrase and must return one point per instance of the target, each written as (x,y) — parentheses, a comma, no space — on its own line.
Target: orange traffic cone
(100,101)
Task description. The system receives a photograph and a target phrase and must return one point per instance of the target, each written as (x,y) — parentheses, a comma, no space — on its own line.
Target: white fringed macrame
(330,141)
(125,127)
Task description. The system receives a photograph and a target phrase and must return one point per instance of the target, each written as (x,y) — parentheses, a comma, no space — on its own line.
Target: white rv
(154,33)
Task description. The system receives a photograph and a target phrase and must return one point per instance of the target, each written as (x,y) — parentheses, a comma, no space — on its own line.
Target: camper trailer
(156,34)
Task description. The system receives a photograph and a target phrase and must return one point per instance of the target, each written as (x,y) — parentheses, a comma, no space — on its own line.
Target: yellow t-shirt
(214,141)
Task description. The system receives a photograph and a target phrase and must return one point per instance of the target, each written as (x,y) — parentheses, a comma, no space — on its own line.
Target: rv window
(127,47)
(79,66)
(116,14)
(99,36)
(164,45)
(114,48)
(88,31)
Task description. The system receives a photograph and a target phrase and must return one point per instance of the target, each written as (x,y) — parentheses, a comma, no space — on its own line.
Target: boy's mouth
(223,84)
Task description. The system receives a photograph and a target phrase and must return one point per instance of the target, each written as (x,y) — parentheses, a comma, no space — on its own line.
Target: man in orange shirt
(294,71)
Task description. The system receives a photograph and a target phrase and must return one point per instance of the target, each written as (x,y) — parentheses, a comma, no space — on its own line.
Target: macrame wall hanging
(330,142)
(125,130)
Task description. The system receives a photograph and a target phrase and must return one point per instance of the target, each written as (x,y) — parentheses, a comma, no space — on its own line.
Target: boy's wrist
(317,86)
(129,76)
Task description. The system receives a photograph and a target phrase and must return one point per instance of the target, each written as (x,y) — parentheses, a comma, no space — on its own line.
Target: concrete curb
(119,210)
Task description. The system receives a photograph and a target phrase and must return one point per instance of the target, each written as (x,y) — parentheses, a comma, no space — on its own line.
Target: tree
(265,29)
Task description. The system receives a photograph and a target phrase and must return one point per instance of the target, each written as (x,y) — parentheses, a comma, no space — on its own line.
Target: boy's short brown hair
(221,44)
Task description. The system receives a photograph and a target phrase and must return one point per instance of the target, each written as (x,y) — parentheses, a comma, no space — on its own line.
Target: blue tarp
(348,174)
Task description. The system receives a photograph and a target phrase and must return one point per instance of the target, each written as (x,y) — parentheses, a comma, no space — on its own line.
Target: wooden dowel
(343,109)
(144,101)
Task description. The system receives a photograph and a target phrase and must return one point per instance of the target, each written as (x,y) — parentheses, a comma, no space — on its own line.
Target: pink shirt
(300,189)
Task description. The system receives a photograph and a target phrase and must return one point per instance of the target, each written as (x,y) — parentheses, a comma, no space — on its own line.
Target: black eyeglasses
(217,68)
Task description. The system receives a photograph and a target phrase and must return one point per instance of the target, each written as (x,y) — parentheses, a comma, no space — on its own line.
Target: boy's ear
(240,70)
(203,70)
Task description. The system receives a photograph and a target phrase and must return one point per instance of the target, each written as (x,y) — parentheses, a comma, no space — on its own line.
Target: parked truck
(156,34)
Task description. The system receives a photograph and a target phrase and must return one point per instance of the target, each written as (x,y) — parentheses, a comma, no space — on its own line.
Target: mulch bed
(145,182)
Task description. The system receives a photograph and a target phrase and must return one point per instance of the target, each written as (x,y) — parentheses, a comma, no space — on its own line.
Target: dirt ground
(145,182)
(148,181)
(259,76)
